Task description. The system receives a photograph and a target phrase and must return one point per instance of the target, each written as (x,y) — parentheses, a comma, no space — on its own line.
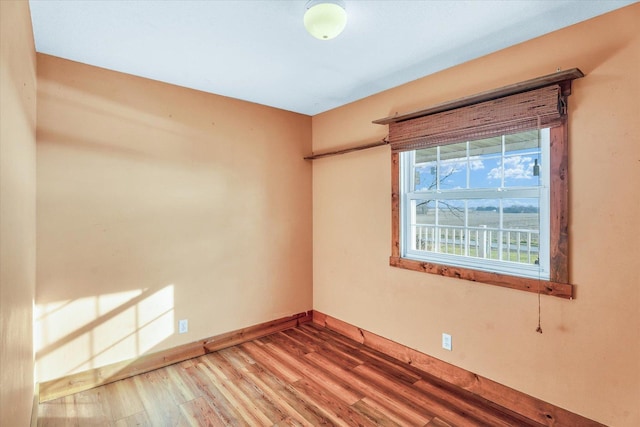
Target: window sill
(546,287)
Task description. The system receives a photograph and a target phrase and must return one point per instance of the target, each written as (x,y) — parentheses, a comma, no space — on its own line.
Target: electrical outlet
(446,341)
(183,326)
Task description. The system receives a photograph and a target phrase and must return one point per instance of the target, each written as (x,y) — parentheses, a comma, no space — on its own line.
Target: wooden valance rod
(559,77)
(384,141)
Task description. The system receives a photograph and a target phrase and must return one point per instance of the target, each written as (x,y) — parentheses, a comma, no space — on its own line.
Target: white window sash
(408,219)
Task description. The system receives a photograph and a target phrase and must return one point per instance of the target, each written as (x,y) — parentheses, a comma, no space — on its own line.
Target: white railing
(517,245)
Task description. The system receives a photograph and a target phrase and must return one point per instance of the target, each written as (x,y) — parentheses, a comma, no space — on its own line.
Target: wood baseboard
(86,380)
(506,397)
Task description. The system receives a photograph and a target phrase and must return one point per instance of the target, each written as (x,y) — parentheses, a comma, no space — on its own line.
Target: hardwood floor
(306,376)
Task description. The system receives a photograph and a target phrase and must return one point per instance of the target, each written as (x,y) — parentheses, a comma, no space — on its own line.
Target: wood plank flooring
(306,376)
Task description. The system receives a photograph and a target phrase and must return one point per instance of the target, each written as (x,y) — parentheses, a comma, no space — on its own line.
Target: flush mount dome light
(325,19)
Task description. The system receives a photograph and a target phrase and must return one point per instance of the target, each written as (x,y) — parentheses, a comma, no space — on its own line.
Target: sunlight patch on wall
(76,335)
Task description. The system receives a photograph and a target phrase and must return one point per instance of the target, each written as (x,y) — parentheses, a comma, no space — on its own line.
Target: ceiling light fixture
(325,19)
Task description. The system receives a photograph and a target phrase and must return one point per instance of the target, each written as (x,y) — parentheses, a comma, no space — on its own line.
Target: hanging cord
(539,328)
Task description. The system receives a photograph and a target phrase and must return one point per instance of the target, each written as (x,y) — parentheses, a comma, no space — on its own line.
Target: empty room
(325,212)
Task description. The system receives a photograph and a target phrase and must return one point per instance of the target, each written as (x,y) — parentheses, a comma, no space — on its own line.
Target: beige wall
(17,211)
(158,203)
(588,358)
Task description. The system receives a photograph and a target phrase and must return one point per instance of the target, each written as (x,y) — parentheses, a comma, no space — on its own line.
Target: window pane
(522,152)
(453,151)
(425,172)
(425,176)
(521,230)
(426,155)
(453,174)
(485,146)
(451,234)
(518,171)
(451,212)
(485,172)
(484,213)
(484,228)
(524,142)
(425,211)
(424,230)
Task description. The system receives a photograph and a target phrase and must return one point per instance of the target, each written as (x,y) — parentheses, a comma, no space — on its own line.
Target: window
(482,204)
(480,187)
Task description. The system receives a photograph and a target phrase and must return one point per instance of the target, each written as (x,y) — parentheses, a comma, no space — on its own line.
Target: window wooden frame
(558,283)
